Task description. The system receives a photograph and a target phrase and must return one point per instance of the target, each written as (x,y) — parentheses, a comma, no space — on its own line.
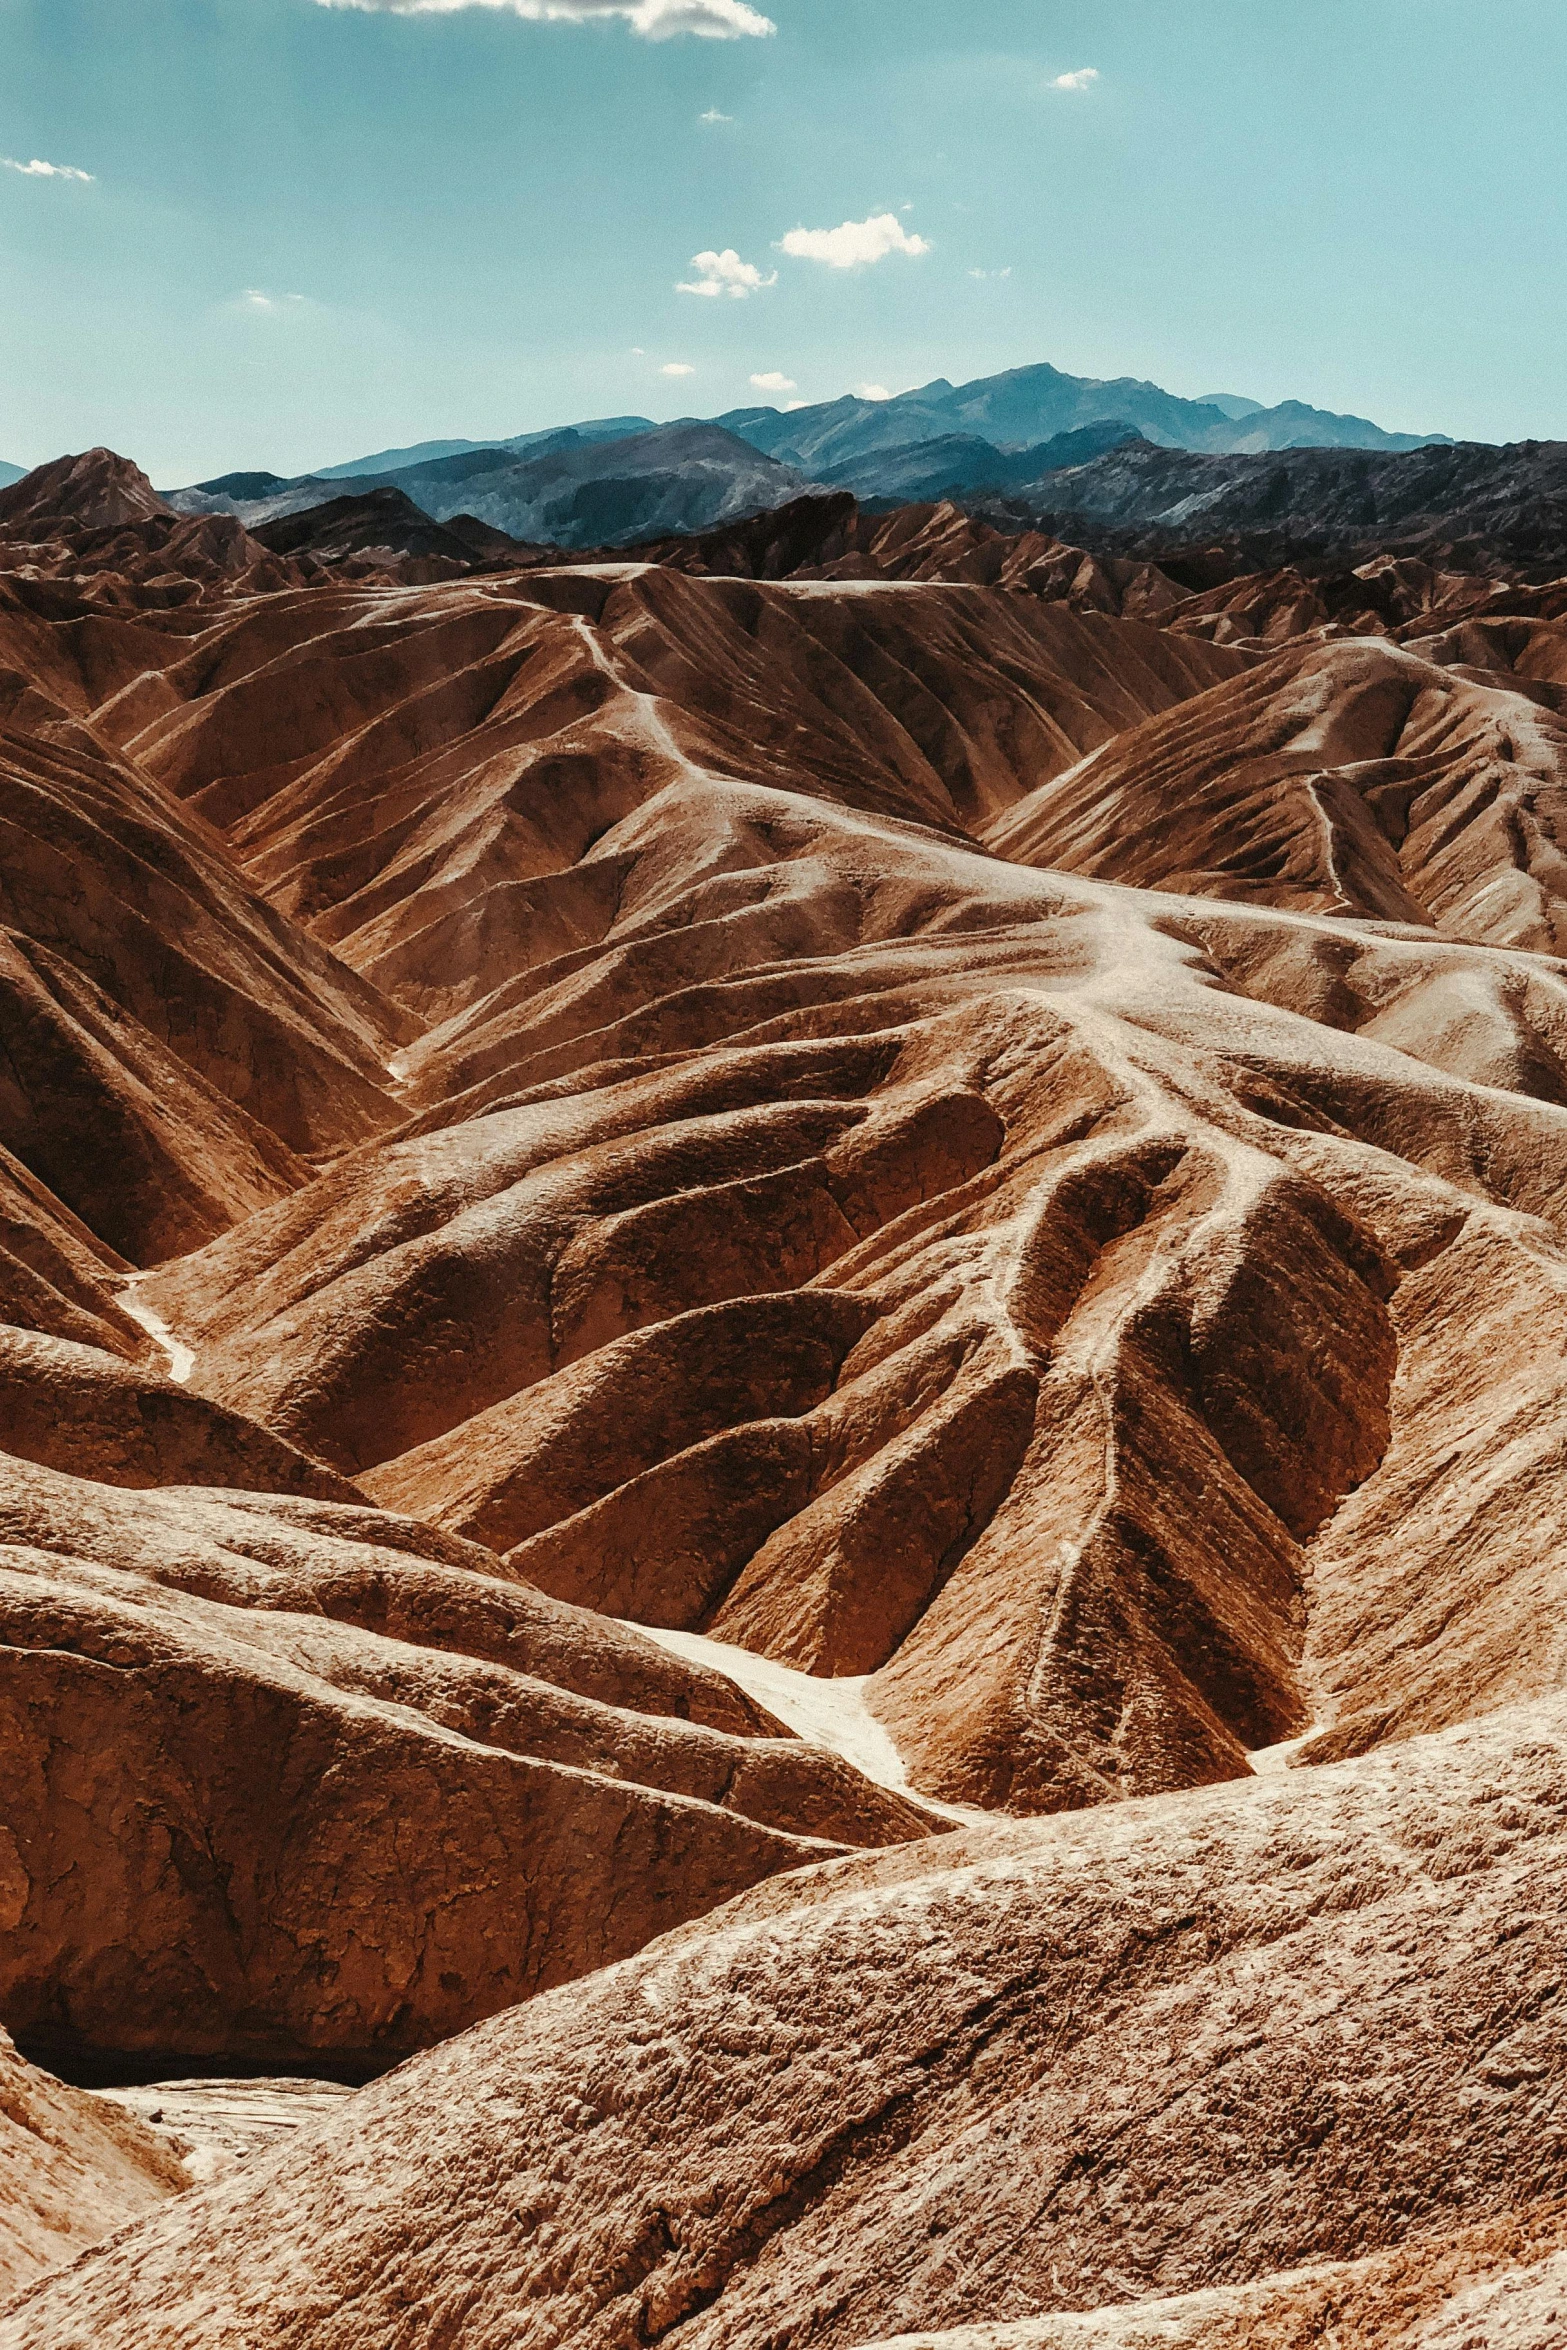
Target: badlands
(783,1437)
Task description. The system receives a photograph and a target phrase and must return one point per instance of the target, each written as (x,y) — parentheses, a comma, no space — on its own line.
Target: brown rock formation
(93,1414)
(418,785)
(1350,778)
(1154,2050)
(96,522)
(978,1141)
(95,491)
(288,1777)
(820,1234)
(1012,1345)
(171,1044)
(55,1275)
(72,2169)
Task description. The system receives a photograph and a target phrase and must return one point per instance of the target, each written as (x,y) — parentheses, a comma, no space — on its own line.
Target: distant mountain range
(1027,405)
(385,461)
(11,473)
(1468,503)
(569,492)
(614,480)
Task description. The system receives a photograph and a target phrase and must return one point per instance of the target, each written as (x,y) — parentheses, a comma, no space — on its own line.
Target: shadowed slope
(154,997)
(287,1776)
(87,1411)
(55,1275)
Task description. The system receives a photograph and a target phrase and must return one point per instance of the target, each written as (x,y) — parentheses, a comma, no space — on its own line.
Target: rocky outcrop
(94,491)
(288,1778)
(93,1414)
(1157,2050)
(72,2169)
(96,522)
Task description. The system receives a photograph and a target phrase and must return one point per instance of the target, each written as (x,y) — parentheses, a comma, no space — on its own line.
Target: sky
(284,233)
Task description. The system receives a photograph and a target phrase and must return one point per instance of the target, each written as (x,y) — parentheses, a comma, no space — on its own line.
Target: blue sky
(314,230)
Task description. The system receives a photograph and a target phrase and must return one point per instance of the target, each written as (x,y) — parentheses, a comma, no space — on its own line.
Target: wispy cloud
(983,273)
(655,20)
(257,301)
(713,115)
(39,170)
(724,273)
(1084,79)
(773,381)
(854,243)
(677,367)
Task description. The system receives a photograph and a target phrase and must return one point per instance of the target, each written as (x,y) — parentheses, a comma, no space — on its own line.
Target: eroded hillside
(659,1224)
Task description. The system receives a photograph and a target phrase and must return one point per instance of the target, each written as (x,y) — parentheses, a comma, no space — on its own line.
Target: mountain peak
(97,490)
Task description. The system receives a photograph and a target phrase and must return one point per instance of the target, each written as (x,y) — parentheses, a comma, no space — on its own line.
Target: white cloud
(1084,79)
(791,405)
(39,170)
(1007,272)
(637,351)
(677,367)
(773,382)
(724,273)
(853,243)
(872,392)
(713,115)
(254,298)
(655,20)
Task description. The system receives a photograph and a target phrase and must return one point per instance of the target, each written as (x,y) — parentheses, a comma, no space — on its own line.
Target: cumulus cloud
(39,170)
(853,243)
(872,392)
(1084,79)
(724,273)
(773,381)
(655,20)
(677,367)
(713,115)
